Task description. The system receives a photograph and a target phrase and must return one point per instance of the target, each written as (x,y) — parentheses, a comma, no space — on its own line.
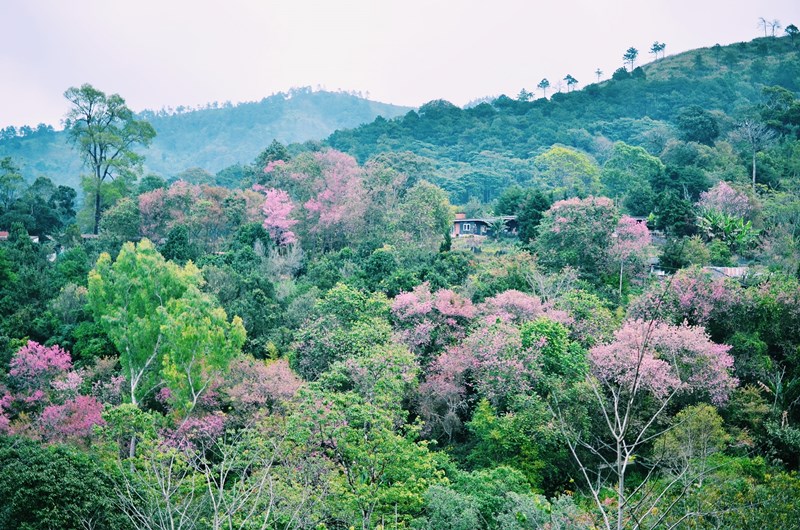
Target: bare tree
(246,479)
(775,25)
(763,22)
(159,491)
(598,73)
(755,136)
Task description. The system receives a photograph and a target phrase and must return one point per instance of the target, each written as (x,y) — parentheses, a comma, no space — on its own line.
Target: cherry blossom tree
(277,208)
(725,199)
(634,380)
(577,233)
(692,295)
(630,243)
(427,322)
(254,387)
(511,306)
(75,419)
(44,399)
(335,210)
(35,366)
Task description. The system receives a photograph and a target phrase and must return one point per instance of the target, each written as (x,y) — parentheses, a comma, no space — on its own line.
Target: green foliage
(178,248)
(166,330)
(380,469)
(697,125)
(630,169)
(530,213)
(54,487)
(199,344)
(675,215)
(104,131)
(577,233)
(523,438)
(120,223)
(567,172)
(560,358)
(446,509)
(678,253)
(346,323)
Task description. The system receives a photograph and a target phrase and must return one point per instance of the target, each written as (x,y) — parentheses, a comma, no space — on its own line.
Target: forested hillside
(211,138)
(478,151)
(611,340)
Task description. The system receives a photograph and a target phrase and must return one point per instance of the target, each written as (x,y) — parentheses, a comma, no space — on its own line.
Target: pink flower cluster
(197,433)
(724,199)
(339,197)
(44,381)
(74,419)
(34,363)
(277,208)
(664,359)
(427,321)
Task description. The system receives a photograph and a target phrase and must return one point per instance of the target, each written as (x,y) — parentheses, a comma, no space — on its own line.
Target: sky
(167,53)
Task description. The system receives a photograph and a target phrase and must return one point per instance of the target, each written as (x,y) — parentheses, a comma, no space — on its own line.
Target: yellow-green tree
(568,171)
(167,331)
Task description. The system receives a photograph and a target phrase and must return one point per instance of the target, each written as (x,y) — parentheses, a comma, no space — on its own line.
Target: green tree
(426,214)
(568,171)
(628,168)
(121,222)
(792,31)
(178,248)
(571,82)
(129,297)
(697,125)
(630,56)
(380,468)
(11,183)
(104,131)
(530,213)
(166,330)
(199,344)
(577,232)
(543,85)
(54,487)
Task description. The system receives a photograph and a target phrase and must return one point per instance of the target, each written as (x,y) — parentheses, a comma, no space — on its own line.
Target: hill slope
(477,152)
(212,138)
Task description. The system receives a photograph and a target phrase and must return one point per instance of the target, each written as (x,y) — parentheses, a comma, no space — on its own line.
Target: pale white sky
(159,53)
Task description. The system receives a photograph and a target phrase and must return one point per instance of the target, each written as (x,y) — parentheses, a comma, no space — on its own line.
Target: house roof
(487,220)
(730,272)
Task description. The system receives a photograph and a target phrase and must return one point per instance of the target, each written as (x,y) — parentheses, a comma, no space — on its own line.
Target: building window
(466,227)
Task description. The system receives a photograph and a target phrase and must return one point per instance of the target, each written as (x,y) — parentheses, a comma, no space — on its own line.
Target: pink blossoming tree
(427,322)
(724,199)
(74,420)
(277,208)
(635,378)
(630,243)
(338,202)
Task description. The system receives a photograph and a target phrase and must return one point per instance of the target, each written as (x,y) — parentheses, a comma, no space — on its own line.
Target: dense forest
(303,340)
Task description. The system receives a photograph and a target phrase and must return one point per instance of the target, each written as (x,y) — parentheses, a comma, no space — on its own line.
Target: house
(481,226)
(4,237)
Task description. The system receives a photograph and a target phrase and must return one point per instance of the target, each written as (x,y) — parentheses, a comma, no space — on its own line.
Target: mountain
(211,138)
(476,152)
